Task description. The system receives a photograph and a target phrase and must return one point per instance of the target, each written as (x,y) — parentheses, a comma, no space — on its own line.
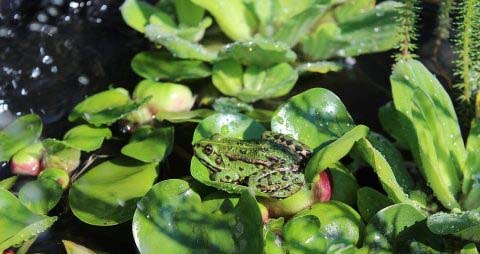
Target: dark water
(53,53)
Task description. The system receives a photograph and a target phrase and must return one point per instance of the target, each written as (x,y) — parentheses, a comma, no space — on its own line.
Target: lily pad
(333,152)
(303,235)
(465,225)
(86,138)
(17,222)
(338,222)
(321,67)
(41,195)
(171,217)
(24,131)
(104,107)
(235,19)
(156,65)
(150,144)
(108,193)
(259,51)
(314,117)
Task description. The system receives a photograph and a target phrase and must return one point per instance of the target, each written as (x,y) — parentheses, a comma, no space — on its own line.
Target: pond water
(53,53)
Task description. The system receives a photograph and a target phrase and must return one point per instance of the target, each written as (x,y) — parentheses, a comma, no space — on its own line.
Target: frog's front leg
(279,183)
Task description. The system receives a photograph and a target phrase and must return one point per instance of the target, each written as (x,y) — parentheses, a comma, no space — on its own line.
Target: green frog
(272,165)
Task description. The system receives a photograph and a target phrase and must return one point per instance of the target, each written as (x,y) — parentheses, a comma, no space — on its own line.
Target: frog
(272,165)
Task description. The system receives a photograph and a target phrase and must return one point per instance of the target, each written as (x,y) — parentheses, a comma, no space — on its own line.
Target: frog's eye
(208,150)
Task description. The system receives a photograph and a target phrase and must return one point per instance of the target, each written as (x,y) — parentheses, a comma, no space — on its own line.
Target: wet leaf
(104,108)
(8,183)
(19,224)
(171,217)
(150,144)
(40,195)
(435,142)
(390,119)
(303,235)
(60,155)
(339,223)
(344,184)
(465,224)
(350,9)
(471,180)
(73,248)
(86,138)
(259,51)
(195,116)
(333,152)
(234,18)
(320,67)
(108,193)
(370,201)
(24,131)
(156,65)
(136,13)
(188,13)
(314,117)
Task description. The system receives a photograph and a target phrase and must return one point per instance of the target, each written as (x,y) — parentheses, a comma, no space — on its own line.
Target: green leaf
(150,144)
(374,30)
(178,46)
(59,154)
(321,67)
(234,18)
(313,117)
(384,171)
(391,121)
(350,9)
(470,248)
(333,152)
(388,224)
(136,13)
(370,201)
(297,27)
(344,184)
(188,13)
(228,125)
(104,107)
(471,181)
(256,82)
(171,217)
(195,116)
(339,223)
(437,144)
(24,131)
(394,159)
(19,224)
(302,235)
(41,195)
(259,51)
(73,248)
(86,138)
(8,183)
(156,65)
(108,193)
(465,225)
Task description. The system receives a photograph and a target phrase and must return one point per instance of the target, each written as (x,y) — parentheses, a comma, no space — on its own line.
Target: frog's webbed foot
(277,183)
(288,142)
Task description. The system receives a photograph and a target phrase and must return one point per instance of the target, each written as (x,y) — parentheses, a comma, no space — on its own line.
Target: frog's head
(208,151)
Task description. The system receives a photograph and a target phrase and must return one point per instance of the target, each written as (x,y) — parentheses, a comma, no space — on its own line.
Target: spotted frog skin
(272,165)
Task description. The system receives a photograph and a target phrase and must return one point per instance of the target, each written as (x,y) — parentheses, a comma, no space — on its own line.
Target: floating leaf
(435,142)
(465,225)
(155,65)
(19,224)
(150,144)
(41,195)
(195,116)
(73,248)
(24,131)
(303,235)
(338,222)
(136,13)
(370,201)
(313,117)
(104,107)
(108,193)
(234,18)
(60,155)
(319,67)
(86,138)
(333,152)
(171,217)
(259,51)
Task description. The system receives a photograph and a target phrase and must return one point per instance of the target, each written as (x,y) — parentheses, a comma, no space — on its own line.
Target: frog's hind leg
(277,184)
(289,142)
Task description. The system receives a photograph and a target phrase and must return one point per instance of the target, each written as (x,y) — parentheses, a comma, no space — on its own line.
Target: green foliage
(408,18)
